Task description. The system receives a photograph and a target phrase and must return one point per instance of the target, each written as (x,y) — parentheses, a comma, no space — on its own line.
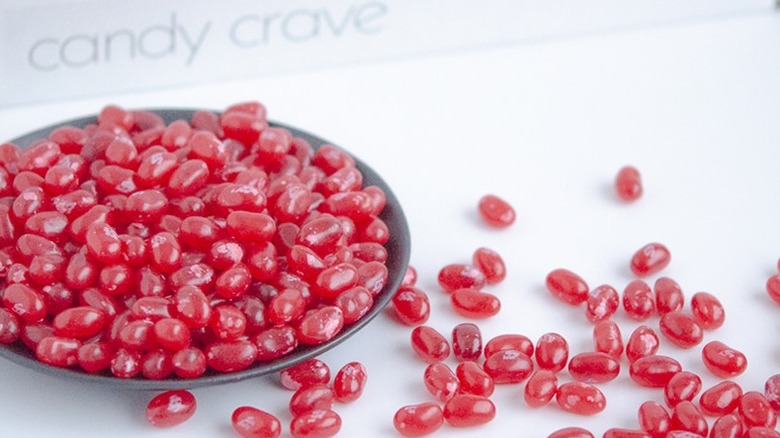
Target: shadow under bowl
(398,249)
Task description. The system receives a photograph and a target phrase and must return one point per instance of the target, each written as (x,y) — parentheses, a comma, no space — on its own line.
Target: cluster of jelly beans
(311,404)
(135,248)
(463,395)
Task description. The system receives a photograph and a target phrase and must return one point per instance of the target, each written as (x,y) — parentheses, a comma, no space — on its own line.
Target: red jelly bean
(603,301)
(79,322)
(594,367)
(418,420)
(642,342)
(540,388)
(320,326)
(654,371)
(567,286)
(721,399)
(508,366)
(727,426)
(349,382)
(571,432)
(336,279)
(496,212)
(509,342)
(687,417)
(616,432)
(707,311)
(491,264)
(722,360)
(474,380)
(761,432)
(755,411)
(9,327)
(654,419)
(251,422)
(275,342)
(430,345)
(247,226)
(466,342)
(772,391)
(628,184)
(668,296)
(552,352)
(682,387)
(310,398)
(171,408)
(466,410)
(473,303)
(411,306)
(638,300)
(318,423)
(440,381)
(58,351)
(773,288)
(608,339)
(457,276)
(230,356)
(24,302)
(103,243)
(580,398)
(189,363)
(95,357)
(307,373)
(681,329)
(650,259)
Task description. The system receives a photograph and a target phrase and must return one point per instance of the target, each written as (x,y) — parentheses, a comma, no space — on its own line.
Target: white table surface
(696,107)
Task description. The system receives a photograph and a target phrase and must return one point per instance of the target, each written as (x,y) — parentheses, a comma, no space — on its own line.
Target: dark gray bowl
(398,248)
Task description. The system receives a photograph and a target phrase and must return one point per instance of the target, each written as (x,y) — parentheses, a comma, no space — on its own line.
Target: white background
(695,106)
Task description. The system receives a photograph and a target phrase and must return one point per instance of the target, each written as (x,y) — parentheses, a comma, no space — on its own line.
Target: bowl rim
(398,248)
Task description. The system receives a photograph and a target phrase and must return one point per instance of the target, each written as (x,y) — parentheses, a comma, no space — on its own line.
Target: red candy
(459,276)
(411,305)
(580,398)
(571,432)
(638,300)
(496,212)
(540,388)
(466,410)
(628,184)
(722,360)
(491,264)
(567,286)
(317,423)
(418,420)
(681,329)
(349,382)
(654,371)
(642,342)
(654,419)
(552,352)
(430,345)
(707,311)
(682,387)
(170,408)
(594,367)
(721,399)
(603,301)
(608,339)
(473,303)
(307,373)
(755,411)
(251,422)
(508,366)
(440,381)
(474,380)
(466,342)
(650,259)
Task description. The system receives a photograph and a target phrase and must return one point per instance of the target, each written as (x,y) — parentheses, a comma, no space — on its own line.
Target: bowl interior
(398,249)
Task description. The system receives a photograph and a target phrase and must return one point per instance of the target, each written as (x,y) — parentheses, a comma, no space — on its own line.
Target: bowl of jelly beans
(176,248)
